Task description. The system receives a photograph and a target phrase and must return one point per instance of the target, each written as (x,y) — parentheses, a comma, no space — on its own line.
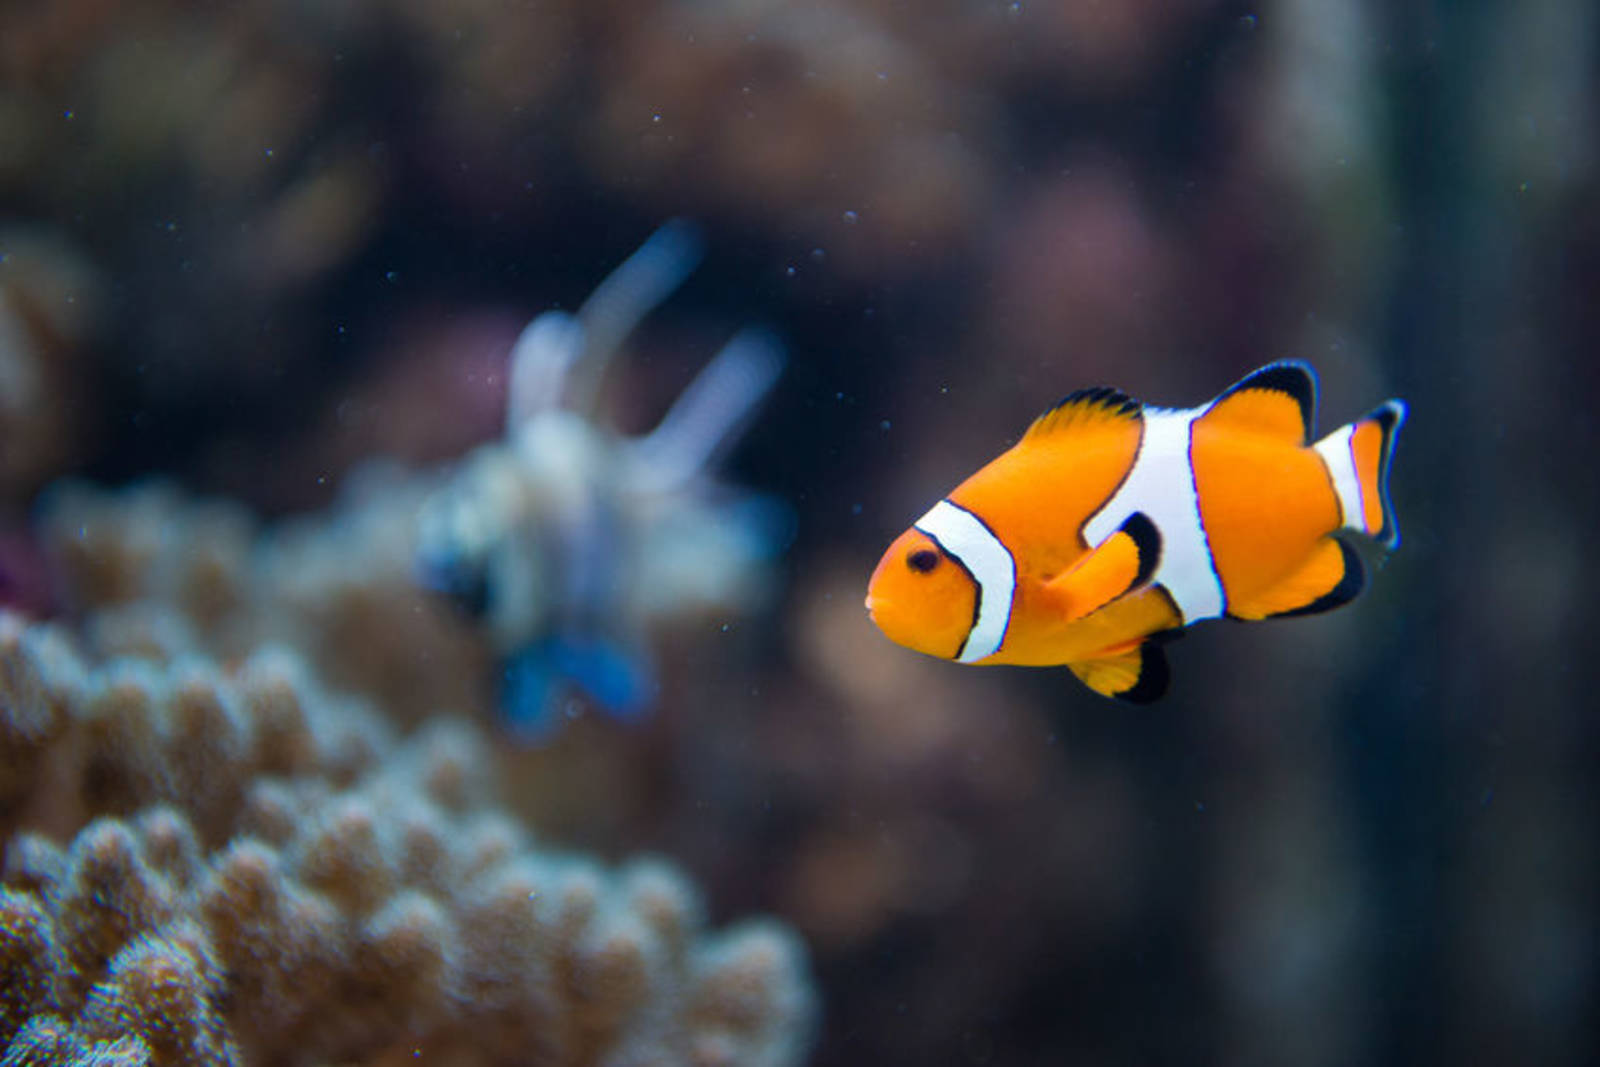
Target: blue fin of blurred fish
(551,680)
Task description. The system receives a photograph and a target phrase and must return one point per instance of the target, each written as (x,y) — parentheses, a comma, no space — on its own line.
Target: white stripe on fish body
(1161,484)
(964,537)
(1341,463)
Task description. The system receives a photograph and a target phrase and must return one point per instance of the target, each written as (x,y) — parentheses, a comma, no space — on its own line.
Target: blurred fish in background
(567,539)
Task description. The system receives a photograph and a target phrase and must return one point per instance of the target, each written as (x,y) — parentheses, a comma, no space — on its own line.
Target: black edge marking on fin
(1294,377)
(1153,677)
(1102,397)
(1348,588)
(1148,541)
(1113,400)
(1390,416)
(1182,627)
(1166,637)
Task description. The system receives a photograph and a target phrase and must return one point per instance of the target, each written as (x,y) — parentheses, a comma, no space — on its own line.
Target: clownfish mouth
(873,605)
(877,607)
(895,625)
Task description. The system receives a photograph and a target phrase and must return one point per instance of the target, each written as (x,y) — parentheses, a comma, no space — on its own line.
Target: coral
(154,573)
(269,873)
(47,1041)
(156,985)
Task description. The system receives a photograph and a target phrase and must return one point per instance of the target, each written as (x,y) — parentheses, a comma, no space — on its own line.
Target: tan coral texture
(257,871)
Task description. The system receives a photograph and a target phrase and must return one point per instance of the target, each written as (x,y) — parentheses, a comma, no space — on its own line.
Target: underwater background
(271,794)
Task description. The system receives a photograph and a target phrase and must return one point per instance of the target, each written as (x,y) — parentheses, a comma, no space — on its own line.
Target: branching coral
(153,573)
(272,876)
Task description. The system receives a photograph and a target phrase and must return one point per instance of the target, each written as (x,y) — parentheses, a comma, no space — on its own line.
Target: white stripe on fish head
(966,539)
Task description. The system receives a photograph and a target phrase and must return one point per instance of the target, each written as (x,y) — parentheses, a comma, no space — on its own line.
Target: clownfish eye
(923,560)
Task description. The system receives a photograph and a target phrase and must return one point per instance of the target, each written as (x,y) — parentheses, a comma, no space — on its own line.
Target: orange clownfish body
(1111,523)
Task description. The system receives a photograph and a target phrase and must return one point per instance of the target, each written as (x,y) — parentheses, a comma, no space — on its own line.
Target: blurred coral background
(249,249)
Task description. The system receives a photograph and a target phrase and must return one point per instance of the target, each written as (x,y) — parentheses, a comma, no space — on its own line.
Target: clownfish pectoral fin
(1083,409)
(1136,676)
(1332,575)
(1119,565)
(1279,400)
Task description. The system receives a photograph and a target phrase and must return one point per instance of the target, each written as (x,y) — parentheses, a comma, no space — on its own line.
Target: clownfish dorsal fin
(1082,409)
(1137,675)
(1279,400)
(1119,565)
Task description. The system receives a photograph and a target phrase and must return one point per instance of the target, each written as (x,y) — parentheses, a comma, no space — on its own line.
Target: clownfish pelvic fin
(1119,565)
(1137,675)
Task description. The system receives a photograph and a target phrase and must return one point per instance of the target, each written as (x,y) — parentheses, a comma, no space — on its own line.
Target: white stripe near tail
(1363,487)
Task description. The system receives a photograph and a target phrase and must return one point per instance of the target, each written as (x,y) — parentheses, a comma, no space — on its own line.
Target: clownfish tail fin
(1358,457)
(1387,417)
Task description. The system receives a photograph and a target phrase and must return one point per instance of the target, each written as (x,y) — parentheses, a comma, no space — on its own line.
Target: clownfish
(1113,524)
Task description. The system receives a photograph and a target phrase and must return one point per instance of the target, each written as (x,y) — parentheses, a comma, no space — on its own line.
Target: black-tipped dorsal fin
(1279,400)
(1084,408)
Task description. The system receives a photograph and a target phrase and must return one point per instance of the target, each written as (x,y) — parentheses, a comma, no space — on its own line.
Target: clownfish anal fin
(1083,409)
(1136,676)
(1279,400)
(1331,576)
(1119,565)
